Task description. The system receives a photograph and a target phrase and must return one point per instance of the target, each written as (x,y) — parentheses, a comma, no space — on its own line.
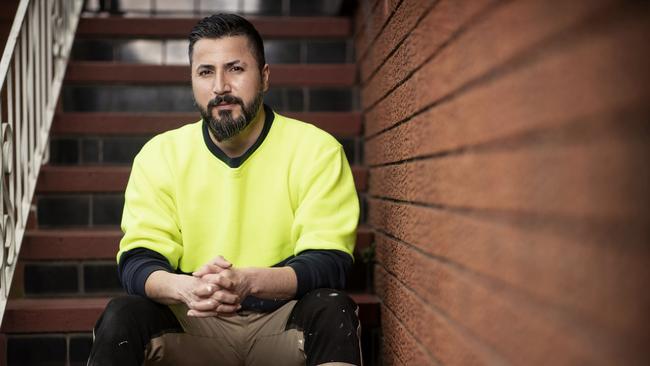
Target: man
(270,199)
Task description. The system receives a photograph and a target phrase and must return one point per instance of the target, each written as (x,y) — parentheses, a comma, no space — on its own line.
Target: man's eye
(204,72)
(237,68)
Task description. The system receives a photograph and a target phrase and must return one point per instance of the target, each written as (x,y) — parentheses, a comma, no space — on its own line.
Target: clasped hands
(216,289)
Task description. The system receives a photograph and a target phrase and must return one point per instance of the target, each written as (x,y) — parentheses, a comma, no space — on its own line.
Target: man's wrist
(163,286)
(250,277)
(270,283)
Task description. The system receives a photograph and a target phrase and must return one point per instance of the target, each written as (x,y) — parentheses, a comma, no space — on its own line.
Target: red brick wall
(509,179)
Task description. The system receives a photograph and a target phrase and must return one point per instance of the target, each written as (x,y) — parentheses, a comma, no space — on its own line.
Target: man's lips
(225,105)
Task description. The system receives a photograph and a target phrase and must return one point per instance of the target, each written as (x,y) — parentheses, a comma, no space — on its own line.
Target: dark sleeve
(136,265)
(320,269)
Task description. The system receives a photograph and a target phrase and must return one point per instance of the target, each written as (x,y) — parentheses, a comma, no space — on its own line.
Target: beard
(226,126)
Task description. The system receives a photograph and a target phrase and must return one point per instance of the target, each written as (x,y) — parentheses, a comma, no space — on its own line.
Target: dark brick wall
(507,143)
(53,349)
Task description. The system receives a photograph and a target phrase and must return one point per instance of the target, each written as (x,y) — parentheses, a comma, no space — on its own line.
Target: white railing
(31,72)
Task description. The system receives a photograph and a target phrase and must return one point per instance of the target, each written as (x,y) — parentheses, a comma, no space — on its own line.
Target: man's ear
(265,77)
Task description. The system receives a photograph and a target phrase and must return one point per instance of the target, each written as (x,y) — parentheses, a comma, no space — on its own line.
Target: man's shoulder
(169,141)
(305,133)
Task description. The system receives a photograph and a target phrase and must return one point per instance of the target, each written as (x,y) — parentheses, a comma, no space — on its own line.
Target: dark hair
(228,25)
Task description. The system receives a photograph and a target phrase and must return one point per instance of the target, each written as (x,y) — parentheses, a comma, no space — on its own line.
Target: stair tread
(269,27)
(111,123)
(80,314)
(329,75)
(83,244)
(110,178)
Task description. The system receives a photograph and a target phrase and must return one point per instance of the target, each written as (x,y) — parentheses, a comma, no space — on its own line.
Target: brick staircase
(126,82)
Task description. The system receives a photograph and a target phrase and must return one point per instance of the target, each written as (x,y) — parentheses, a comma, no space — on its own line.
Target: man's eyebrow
(205,66)
(235,62)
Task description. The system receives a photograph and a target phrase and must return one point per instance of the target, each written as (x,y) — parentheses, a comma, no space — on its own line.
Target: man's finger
(205,290)
(201,314)
(220,280)
(204,305)
(225,297)
(216,265)
(206,269)
(227,309)
(221,262)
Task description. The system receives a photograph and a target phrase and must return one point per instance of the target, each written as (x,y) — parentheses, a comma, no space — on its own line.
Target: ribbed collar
(238,161)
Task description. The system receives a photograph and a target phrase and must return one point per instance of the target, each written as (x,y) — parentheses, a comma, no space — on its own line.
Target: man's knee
(323,305)
(330,301)
(124,313)
(116,314)
(328,319)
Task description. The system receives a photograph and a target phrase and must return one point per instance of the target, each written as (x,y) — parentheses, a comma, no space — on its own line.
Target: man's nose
(221,84)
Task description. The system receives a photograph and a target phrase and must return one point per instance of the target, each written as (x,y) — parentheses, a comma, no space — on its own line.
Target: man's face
(227,84)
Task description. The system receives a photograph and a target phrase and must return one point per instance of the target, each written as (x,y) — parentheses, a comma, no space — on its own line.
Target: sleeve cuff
(303,275)
(140,278)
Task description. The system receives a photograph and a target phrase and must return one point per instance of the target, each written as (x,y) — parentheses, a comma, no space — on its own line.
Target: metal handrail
(31,73)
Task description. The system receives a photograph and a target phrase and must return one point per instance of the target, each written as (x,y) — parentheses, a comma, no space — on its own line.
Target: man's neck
(237,145)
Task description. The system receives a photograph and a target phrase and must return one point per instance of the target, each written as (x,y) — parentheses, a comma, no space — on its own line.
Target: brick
(79,350)
(579,274)
(336,123)
(86,72)
(3,347)
(107,209)
(121,150)
(591,181)
(43,279)
(443,338)
(406,16)
(37,350)
(361,14)
(526,25)
(64,151)
(379,15)
(269,27)
(539,96)
(521,333)
(63,211)
(404,349)
(101,278)
(443,22)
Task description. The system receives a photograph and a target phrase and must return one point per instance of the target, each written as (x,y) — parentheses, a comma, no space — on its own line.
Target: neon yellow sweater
(292,191)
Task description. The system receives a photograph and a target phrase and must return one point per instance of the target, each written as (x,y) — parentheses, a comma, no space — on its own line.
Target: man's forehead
(224,49)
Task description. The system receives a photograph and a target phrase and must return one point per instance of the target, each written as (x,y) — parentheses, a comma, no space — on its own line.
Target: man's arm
(264,289)
(147,273)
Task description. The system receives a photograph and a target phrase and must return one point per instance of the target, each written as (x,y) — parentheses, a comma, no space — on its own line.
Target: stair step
(52,315)
(85,72)
(92,123)
(269,27)
(88,179)
(78,244)
(80,314)
(70,244)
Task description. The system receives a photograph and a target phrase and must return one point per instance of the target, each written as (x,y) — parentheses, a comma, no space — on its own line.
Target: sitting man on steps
(270,199)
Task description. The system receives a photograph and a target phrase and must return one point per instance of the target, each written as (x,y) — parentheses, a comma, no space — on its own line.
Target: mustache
(230,99)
